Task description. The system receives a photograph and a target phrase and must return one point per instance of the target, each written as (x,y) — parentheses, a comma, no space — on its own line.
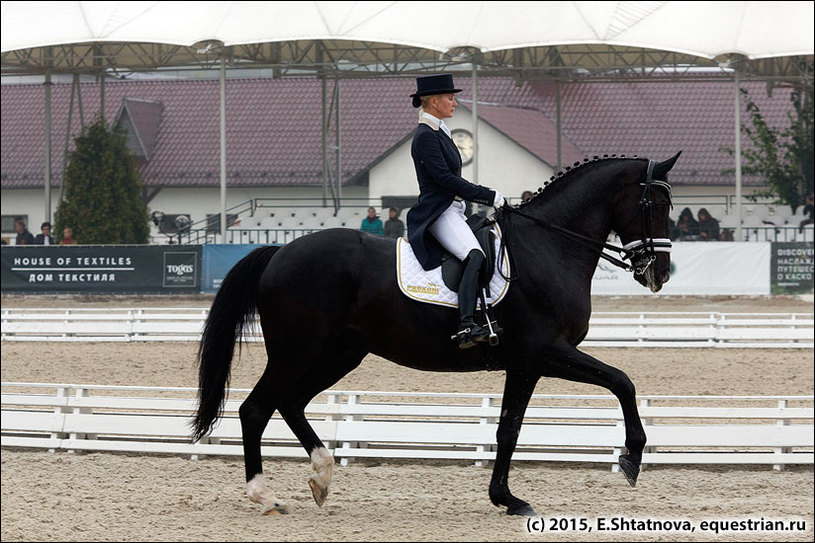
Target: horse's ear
(662,168)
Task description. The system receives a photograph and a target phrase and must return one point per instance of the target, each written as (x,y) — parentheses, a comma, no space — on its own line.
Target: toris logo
(180,269)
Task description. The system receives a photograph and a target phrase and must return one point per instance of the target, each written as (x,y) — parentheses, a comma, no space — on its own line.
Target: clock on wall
(464,141)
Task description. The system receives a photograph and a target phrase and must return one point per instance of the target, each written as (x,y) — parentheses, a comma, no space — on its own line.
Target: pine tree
(102,193)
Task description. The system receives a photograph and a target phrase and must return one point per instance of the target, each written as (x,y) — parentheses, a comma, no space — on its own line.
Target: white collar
(430,120)
(433,122)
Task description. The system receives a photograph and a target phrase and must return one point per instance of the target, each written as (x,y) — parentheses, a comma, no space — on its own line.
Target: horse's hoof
(276,509)
(318,492)
(630,469)
(522,510)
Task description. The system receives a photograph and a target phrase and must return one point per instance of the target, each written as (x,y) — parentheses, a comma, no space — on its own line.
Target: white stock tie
(445,129)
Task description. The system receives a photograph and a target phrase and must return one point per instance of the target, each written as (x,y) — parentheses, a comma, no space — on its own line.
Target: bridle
(640,253)
(643,252)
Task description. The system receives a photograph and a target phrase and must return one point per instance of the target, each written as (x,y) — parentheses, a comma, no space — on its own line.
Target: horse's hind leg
(289,388)
(330,369)
(574,365)
(255,413)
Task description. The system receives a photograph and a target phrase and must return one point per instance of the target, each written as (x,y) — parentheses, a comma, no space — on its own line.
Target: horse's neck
(580,205)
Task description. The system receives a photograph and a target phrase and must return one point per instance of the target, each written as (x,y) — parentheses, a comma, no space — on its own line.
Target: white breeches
(452,231)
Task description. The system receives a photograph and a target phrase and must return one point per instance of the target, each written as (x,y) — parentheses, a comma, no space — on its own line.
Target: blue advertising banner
(217,260)
(101,269)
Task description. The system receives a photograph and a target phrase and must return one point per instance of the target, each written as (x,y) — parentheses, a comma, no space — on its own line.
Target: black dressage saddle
(452,267)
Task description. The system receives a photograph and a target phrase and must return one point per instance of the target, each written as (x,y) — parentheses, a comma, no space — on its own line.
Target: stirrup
(470,336)
(494,331)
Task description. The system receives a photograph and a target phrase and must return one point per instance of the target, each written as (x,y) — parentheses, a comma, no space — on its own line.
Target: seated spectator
(394,227)
(809,209)
(687,226)
(44,238)
(68,237)
(708,226)
(24,237)
(526,195)
(372,224)
(673,231)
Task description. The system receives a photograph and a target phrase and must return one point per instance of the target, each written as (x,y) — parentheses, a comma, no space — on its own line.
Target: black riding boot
(470,333)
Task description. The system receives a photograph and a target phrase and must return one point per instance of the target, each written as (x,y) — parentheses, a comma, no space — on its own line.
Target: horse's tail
(234,305)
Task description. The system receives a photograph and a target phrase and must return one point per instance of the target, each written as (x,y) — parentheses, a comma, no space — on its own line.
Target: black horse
(329,298)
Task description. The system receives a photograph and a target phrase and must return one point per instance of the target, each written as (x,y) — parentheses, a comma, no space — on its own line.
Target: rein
(641,253)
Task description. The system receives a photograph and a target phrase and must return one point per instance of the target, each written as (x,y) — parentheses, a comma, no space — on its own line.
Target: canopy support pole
(475,121)
(223,148)
(47,147)
(737,108)
(559,128)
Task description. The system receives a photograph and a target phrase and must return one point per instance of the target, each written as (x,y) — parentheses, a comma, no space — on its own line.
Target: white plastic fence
(772,430)
(607,329)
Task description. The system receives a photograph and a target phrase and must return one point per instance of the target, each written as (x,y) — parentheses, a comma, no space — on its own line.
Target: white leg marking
(323,464)
(257,492)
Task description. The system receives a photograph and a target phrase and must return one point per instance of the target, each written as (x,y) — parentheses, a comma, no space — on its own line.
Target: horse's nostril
(666,275)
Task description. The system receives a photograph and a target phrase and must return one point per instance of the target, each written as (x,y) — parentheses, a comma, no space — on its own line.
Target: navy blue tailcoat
(438,169)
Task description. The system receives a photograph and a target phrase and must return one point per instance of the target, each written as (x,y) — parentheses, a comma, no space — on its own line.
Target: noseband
(641,253)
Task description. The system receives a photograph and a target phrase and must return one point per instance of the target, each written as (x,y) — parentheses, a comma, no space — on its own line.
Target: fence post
(352,400)
(646,422)
(62,392)
(782,404)
(486,403)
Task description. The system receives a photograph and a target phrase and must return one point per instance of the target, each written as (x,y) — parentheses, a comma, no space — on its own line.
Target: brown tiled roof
(657,119)
(273,125)
(533,130)
(146,118)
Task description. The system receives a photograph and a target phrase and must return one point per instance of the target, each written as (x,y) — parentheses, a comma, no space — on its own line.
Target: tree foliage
(102,192)
(783,156)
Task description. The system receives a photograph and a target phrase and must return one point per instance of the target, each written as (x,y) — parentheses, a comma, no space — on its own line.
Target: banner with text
(101,269)
(698,268)
(792,268)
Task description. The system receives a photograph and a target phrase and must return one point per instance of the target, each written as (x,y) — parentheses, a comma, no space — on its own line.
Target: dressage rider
(437,222)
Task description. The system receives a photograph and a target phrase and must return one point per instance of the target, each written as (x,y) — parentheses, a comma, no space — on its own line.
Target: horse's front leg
(574,365)
(517,391)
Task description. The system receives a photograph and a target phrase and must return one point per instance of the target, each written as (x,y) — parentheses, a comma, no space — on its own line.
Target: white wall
(503,165)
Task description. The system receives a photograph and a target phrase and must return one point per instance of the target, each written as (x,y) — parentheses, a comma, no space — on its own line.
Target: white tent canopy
(703,29)
(413,30)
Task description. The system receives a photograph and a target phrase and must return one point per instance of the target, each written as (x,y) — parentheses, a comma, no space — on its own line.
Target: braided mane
(567,173)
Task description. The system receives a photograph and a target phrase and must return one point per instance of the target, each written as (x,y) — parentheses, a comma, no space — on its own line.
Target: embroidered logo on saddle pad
(428,286)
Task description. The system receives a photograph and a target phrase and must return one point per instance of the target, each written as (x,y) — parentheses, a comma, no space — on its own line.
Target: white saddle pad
(428,286)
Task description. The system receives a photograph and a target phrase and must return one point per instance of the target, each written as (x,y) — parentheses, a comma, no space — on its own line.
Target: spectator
(371,223)
(708,226)
(809,209)
(45,237)
(687,226)
(24,237)
(68,237)
(394,227)
(526,196)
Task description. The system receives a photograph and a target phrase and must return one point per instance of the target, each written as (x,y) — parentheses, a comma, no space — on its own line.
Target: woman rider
(437,222)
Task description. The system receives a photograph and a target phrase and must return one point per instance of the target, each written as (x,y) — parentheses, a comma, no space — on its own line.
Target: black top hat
(433,84)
